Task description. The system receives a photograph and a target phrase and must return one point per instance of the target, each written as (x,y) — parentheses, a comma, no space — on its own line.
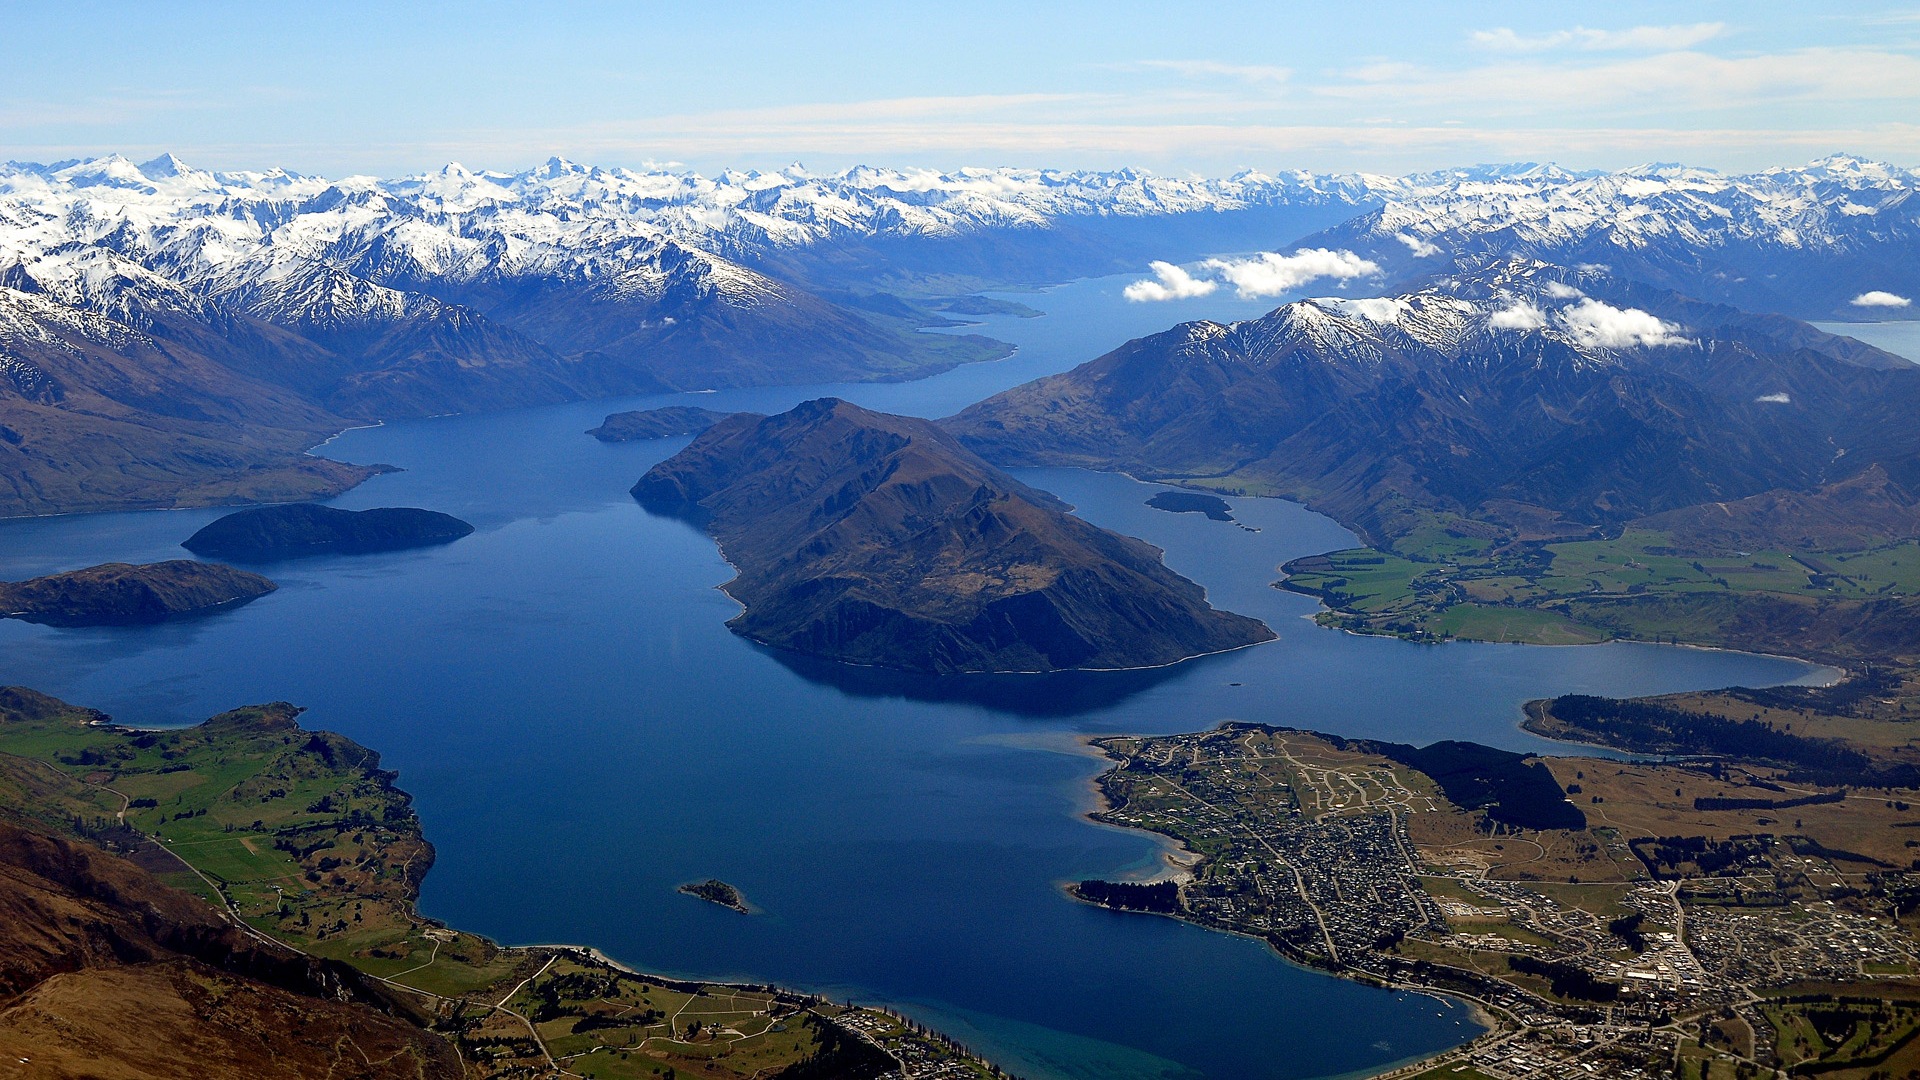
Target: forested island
(119,593)
(662,423)
(282,532)
(715,891)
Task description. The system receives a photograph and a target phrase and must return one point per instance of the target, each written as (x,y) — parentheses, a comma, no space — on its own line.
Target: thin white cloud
(1813,75)
(1649,38)
(1421,249)
(1560,290)
(1880,298)
(1523,315)
(1197,69)
(1271,273)
(1598,325)
(1774,399)
(1173,284)
(1037,140)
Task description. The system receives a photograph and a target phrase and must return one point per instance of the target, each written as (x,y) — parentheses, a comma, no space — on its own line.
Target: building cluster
(920,1055)
(1316,859)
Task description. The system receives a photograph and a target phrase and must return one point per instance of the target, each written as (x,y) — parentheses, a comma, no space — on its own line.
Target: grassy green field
(300,832)
(1435,585)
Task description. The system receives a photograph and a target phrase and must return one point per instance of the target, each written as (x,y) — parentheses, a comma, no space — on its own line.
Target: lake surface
(1901,338)
(582,734)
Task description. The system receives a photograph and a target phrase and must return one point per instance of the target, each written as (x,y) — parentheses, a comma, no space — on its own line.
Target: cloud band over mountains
(1267,273)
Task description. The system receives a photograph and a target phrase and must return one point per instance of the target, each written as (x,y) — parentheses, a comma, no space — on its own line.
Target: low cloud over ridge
(1597,325)
(1268,273)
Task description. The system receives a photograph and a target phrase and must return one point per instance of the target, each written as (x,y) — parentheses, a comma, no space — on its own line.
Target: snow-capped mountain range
(1806,241)
(158,295)
(457,234)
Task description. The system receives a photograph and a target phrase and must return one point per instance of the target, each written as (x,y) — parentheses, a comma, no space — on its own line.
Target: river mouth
(583,735)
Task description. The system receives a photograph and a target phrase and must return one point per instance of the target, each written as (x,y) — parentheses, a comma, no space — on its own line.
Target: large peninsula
(879,539)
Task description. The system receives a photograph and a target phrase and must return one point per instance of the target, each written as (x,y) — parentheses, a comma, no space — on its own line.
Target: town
(1583,951)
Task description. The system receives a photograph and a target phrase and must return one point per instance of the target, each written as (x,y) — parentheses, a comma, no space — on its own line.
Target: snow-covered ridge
(456,210)
(562,201)
(117,238)
(1836,204)
(1455,319)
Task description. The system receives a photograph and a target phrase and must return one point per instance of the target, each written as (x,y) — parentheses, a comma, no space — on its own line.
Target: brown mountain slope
(98,415)
(1857,512)
(878,539)
(109,974)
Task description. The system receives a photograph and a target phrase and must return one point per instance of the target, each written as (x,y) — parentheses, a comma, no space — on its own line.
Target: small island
(266,533)
(664,423)
(1192,502)
(985,305)
(715,891)
(124,593)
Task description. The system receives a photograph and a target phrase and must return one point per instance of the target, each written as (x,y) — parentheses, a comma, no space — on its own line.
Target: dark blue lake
(583,734)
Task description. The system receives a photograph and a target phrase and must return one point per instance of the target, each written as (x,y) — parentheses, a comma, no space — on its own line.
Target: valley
(562,685)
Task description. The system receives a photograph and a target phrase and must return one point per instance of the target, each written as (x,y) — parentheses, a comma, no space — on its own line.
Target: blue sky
(1209,88)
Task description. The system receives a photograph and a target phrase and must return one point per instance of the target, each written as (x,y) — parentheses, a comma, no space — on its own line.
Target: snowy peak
(1510,307)
(166,166)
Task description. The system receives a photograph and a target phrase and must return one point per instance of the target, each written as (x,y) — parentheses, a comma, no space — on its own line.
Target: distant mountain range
(173,336)
(1804,241)
(1520,395)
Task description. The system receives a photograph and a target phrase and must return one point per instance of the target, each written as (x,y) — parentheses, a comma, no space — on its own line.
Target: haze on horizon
(354,87)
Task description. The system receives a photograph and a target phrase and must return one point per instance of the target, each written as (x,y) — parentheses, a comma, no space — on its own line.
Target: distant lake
(582,734)
(1902,338)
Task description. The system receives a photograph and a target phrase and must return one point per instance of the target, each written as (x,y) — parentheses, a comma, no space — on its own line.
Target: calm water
(1902,338)
(582,734)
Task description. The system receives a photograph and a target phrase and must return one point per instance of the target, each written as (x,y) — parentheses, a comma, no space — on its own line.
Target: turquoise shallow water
(582,734)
